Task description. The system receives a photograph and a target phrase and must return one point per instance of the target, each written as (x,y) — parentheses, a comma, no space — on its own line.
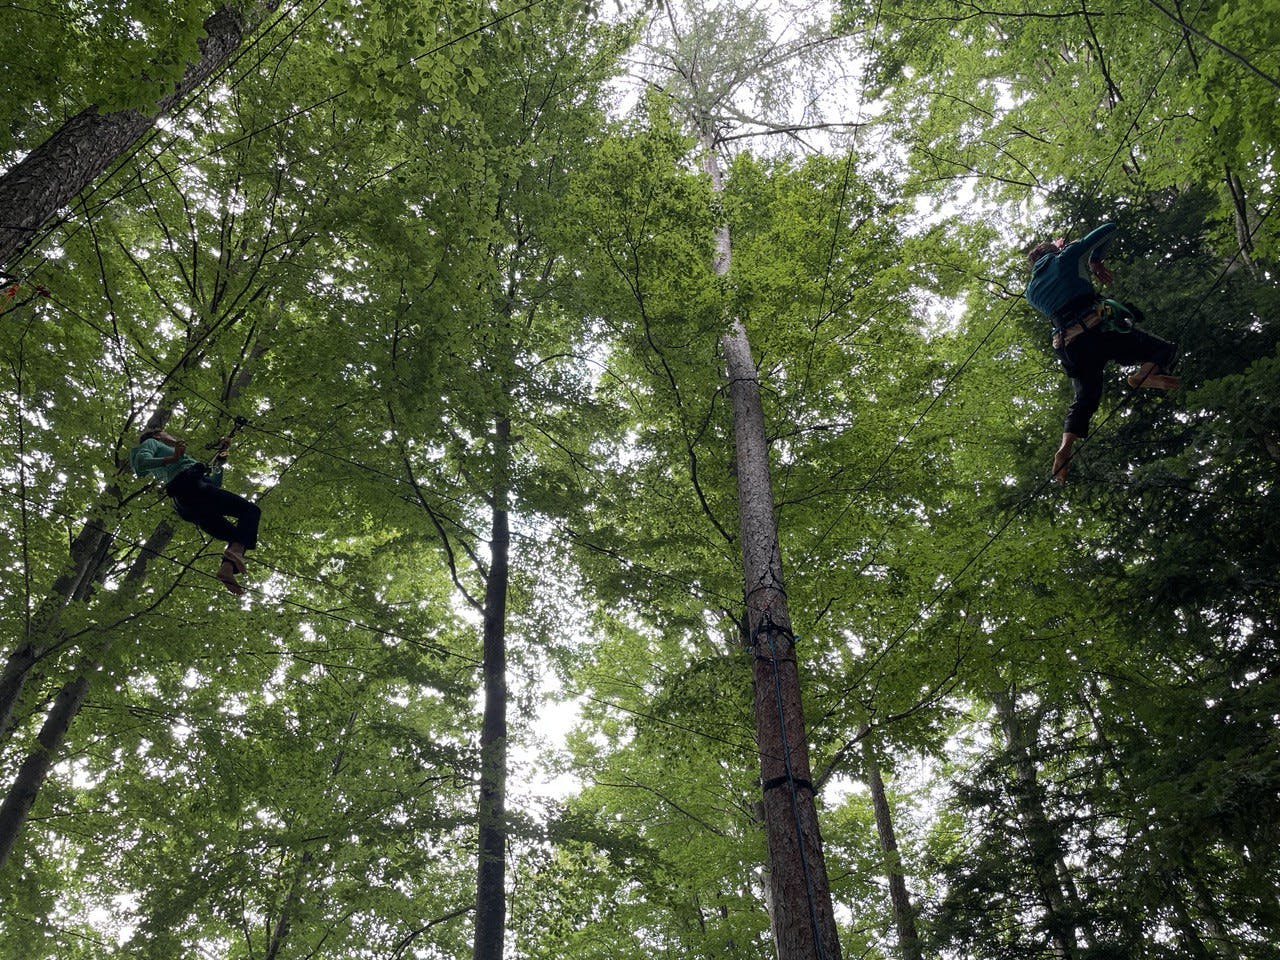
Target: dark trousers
(209,506)
(1085,358)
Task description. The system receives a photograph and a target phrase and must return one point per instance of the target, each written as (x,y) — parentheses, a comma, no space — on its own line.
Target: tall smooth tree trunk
(803,919)
(904,914)
(46,180)
(491,870)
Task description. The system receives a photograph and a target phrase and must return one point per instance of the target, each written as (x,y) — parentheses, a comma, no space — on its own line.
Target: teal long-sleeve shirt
(148,460)
(1060,283)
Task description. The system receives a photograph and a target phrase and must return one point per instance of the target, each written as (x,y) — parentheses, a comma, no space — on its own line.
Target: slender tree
(709,64)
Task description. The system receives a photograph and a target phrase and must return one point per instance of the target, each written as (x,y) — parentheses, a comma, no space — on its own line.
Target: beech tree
(465,308)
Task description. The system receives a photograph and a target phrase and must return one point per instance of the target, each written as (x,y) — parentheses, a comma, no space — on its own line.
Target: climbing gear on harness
(1067,334)
(1116,316)
(223,444)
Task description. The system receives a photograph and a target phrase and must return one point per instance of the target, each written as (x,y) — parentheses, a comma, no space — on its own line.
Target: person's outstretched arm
(1088,251)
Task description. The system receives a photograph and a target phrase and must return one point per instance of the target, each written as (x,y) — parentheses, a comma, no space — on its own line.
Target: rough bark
(804,926)
(46,180)
(904,914)
(803,917)
(491,903)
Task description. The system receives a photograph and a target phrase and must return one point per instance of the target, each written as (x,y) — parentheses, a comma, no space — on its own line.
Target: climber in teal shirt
(1090,330)
(198,497)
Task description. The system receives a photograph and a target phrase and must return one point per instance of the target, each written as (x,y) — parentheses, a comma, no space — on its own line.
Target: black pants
(1086,356)
(208,506)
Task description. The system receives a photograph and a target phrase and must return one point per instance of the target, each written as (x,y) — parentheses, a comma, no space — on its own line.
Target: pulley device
(223,444)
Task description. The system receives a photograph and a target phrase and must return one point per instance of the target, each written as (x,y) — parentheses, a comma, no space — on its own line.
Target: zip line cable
(302,111)
(919,419)
(835,230)
(866,484)
(565,535)
(1229,51)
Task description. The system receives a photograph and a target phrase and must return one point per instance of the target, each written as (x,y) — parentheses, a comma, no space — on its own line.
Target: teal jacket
(1060,286)
(148,460)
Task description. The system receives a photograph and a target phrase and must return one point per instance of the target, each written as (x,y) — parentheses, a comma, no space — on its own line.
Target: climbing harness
(220,448)
(1112,315)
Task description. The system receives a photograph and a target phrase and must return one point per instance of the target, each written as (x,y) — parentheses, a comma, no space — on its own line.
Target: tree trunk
(1056,890)
(803,919)
(491,900)
(46,180)
(904,915)
(66,705)
(86,547)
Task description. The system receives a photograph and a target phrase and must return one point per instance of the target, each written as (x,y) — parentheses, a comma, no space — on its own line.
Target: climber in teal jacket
(1090,330)
(198,497)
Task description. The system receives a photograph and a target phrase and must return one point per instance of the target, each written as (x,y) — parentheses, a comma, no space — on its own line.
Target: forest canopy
(616,381)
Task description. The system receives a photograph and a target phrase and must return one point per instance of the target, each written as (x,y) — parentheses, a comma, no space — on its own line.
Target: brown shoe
(1155,381)
(227,576)
(1061,464)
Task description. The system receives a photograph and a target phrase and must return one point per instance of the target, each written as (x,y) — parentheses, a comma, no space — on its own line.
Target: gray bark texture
(46,180)
(804,924)
(803,918)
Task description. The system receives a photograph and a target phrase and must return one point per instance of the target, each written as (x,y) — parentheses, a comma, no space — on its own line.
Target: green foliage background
(389,226)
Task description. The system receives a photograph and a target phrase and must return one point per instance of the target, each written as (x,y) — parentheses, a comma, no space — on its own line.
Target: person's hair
(1039,250)
(146,435)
